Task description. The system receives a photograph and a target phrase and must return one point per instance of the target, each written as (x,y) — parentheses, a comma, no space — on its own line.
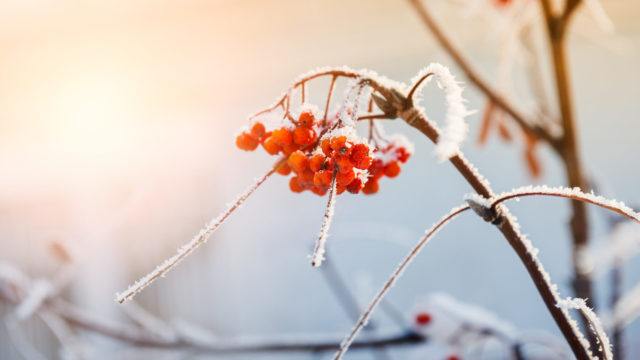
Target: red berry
(295,185)
(371,187)
(326,147)
(355,186)
(270,146)
(304,136)
(323,178)
(376,170)
(298,161)
(344,164)
(343,179)
(258,130)
(340,145)
(246,142)
(282,136)
(289,149)
(453,357)
(392,169)
(403,154)
(316,163)
(423,318)
(306,119)
(319,190)
(360,156)
(307,176)
(283,169)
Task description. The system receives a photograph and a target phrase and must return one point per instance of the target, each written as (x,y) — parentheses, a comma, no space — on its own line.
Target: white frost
(455,127)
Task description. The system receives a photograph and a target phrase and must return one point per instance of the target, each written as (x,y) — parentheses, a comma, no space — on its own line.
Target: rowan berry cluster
(315,161)
(387,161)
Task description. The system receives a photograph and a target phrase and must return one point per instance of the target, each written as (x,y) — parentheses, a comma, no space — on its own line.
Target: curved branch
(573,194)
(364,318)
(474,77)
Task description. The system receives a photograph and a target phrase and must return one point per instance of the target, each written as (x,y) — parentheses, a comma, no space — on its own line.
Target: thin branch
(198,240)
(474,77)
(373,117)
(573,194)
(364,318)
(508,227)
(318,252)
(144,338)
(330,94)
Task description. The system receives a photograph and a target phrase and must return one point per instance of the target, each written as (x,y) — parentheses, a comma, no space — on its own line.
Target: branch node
(483,208)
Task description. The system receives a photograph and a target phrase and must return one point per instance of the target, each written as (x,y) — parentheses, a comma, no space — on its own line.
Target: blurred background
(117,129)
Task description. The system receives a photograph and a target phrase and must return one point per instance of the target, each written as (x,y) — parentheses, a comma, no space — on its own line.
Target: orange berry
(316,163)
(298,161)
(360,156)
(392,169)
(270,146)
(307,176)
(345,178)
(403,154)
(338,142)
(283,169)
(282,136)
(326,147)
(295,185)
(319,190)
(322,178)
(246,142)
(340,145)
(344,164)
(376,170)
(258,130)
(355,186)
(290,149)
(371,187)
(304,136)
(306,119)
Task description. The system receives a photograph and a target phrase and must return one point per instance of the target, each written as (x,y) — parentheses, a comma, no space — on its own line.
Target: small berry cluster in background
(317,152)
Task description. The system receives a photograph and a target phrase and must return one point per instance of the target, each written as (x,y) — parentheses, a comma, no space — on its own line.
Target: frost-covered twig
(596,326)
(14,286)
(362,321)
(569,193)
(456,128)
(318,251)
(474,77)
(198,240)
(627,309)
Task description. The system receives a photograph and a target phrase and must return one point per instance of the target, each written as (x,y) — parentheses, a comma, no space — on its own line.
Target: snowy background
(117,125)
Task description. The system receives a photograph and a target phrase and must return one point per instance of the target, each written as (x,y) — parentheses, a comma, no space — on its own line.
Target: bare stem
(573,194)
(198,240)
(318,252)
(364,318)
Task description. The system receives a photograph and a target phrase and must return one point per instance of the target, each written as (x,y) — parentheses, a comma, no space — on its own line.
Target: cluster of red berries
(315,162)
(282,140)
(386,163)
(338,156)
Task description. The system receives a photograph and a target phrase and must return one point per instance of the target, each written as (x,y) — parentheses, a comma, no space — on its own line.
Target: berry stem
(329,95)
